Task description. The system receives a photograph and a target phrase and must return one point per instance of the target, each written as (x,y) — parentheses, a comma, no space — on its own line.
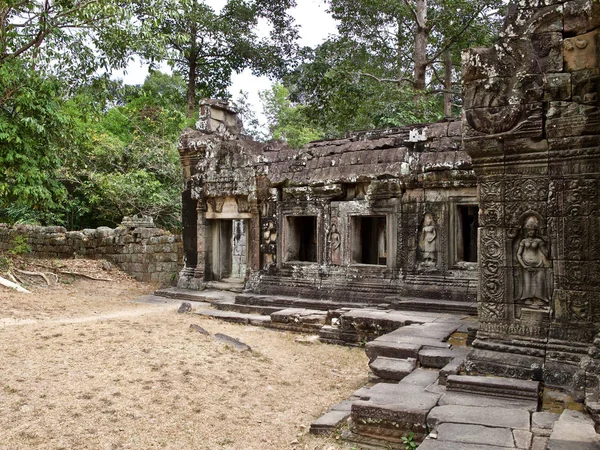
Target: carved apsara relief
(428,242)
(334,240)
(533,273)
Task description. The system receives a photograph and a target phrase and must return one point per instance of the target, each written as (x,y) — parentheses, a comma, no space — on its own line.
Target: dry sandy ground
(83,368)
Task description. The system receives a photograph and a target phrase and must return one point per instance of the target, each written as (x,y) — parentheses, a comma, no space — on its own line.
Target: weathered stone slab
(574,430)
(475,434)
(494,386)
(431,444)
(328,422)
(421,377)
(487,416)
(392,368)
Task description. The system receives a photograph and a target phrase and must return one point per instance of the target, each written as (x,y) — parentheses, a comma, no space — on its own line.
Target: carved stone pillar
(532,128)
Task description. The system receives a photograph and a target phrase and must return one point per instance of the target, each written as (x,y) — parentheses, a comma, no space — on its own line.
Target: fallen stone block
(199,329)
(233,342)
(185,307)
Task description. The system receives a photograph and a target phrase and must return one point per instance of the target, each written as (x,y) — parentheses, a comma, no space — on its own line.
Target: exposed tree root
(78,274)
(12,285)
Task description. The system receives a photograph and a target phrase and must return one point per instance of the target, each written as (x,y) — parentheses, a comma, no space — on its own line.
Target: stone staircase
(415,384)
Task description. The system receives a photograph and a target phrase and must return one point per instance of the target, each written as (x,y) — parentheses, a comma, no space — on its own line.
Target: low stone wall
(147,254)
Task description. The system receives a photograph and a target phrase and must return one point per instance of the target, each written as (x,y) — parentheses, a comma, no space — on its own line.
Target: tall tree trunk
(448,84)
(421,38)
(193,68)
(191,89)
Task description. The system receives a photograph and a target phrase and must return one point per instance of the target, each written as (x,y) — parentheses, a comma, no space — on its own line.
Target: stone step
(392,368)
(246,309)
(391,411)
(206,295)
(233,285)
(494,387)
(433,305)
(282,301)
(235,317)
(438,358)
(332,419)
(334,335)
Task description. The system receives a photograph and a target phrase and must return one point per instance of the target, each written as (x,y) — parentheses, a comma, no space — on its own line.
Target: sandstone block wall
(147,254)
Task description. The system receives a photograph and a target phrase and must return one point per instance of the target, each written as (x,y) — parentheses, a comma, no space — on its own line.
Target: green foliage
(19,245)
(32,129)
(287,121)
(409,441)
(206,46)
(365,77)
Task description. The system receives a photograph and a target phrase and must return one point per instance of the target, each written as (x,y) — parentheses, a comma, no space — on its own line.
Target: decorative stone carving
(534,273)
(335,242)
(428,242)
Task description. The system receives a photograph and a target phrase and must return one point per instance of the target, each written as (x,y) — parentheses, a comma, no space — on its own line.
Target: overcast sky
(315,25)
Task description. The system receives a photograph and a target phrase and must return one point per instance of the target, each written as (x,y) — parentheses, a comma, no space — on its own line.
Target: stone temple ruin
(496,215)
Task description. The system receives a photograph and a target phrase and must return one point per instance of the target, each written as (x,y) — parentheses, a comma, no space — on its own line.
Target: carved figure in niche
(535,290)
(428,241)
(335,242)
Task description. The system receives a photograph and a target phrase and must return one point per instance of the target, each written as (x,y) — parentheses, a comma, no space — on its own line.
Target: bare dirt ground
(83,368)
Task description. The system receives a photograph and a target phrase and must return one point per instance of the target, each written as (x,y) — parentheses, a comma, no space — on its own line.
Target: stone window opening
(467,224)
(369,244)
(302,239)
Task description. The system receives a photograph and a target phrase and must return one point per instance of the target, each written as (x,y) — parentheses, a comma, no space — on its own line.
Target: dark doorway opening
(302,239)
(468,223)
(370,240)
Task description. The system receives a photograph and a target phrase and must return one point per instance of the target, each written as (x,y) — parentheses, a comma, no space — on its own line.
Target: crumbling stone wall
(147,254)
(376,217)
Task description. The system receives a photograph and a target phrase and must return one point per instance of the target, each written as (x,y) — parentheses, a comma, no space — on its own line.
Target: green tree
(207,46)
(392,61)
(285,120)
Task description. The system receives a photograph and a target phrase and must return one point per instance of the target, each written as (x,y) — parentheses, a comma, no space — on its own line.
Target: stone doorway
(228,250)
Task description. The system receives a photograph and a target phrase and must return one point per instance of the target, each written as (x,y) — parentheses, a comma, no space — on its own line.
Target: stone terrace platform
(416,383)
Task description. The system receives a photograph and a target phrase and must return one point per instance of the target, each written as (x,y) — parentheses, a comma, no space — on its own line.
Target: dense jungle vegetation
(82,150)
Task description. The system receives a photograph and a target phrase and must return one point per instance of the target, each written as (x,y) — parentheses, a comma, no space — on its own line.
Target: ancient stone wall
(147,254)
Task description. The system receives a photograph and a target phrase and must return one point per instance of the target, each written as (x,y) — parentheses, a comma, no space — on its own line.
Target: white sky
(315,25)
